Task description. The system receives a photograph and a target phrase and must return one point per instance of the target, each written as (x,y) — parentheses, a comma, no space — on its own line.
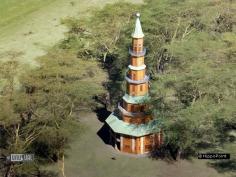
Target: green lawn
(11,9)
(31,27)
(15,10)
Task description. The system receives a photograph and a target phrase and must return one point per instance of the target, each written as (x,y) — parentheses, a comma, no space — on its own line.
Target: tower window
(133,88)
(142,108)
(141,87)
(127,146)
(133,76)
(148,147)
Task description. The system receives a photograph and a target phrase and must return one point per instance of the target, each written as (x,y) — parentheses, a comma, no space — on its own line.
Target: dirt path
(33,34)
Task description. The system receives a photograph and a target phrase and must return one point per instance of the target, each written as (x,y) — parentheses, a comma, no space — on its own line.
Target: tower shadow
(102,113)
(104,134)
(104,131)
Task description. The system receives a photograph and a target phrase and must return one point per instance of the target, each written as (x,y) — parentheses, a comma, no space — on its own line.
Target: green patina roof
(135,99)
(122,127)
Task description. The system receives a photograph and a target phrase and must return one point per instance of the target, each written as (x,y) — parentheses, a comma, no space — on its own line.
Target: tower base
(134,138)
(135,145)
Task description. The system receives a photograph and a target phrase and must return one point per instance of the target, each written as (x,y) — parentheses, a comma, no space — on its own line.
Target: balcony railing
(146,79)
(137,54)
(132,114)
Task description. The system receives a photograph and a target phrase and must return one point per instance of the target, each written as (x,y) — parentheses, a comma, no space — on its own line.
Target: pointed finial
(138,32)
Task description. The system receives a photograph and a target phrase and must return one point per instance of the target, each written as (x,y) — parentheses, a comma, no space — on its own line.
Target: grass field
(12,10)
(29,27)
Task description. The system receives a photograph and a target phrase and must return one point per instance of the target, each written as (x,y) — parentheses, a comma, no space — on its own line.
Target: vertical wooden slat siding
(136,61)
(138,145)
(137,74)
(147,143)
(133,145)
(127,144)
(142,145)
(121,143)
(137,44)
(136,119)
(134,107)
(137,89)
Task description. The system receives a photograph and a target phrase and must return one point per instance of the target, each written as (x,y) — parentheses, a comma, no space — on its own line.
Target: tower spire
(138,32)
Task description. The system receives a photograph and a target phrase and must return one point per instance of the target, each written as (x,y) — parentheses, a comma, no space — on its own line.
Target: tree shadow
(169,154)
(161,153)
(223,166)
(47,174)
(3,137)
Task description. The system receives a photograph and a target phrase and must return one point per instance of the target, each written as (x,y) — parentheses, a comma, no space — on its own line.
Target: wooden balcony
(146,79)
(137,54)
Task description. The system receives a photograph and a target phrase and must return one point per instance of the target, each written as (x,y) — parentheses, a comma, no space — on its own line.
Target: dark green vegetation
(191,60)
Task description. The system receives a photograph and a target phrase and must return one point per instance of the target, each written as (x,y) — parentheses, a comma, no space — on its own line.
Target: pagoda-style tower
(132,128)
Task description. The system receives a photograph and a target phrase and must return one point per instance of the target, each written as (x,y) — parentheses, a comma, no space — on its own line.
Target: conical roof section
(138,32)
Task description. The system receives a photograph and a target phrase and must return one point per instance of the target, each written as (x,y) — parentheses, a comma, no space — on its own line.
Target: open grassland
(16,10)
(29,27)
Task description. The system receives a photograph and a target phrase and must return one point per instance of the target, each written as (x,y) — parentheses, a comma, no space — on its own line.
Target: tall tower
(132,128)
